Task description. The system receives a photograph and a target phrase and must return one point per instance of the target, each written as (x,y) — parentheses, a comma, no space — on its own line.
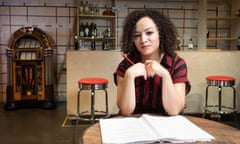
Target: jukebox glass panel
(28,81)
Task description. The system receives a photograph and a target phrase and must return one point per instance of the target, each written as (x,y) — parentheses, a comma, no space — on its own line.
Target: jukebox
(30,69)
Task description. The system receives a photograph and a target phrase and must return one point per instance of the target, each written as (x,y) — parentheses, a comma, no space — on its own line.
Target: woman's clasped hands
(149,68)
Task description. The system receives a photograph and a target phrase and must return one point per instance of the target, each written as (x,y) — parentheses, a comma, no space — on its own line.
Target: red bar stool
(92,84)
(220,82)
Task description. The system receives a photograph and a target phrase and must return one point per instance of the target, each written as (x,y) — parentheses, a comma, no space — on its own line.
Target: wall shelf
(95,16)
(102,34)
(223,18)
(226,39)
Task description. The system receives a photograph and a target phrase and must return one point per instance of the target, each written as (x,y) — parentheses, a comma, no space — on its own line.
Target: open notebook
(149,129)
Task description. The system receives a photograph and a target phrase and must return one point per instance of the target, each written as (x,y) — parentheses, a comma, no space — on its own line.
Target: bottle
(86,30)
(93,44)
(81,30)
(86,8)
(95,30)
(81,6)
(76,44)
(238,44)
(108,32)
(190,44)
(92,34)
(178,43)
(105,44)
(207,33)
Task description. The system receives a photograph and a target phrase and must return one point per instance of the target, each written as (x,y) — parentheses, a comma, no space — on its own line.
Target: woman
(156,79)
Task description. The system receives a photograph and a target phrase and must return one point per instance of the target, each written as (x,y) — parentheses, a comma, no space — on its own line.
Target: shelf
(96,16)
(227,39)
(223,18)
(97,38)
(103,25)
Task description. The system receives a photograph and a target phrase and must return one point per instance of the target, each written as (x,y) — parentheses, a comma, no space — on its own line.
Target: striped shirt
(149,92)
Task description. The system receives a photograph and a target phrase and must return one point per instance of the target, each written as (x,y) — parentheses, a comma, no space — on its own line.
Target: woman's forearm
(126,95)
(173,95)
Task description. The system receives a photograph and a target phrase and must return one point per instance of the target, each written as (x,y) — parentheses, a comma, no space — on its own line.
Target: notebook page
(177,129)
(126,130)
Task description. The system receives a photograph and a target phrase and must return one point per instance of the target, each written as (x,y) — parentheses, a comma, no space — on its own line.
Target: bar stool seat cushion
(220,80)
(92,81)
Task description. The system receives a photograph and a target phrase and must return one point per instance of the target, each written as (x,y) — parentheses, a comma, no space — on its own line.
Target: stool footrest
(98,114)
(215,109)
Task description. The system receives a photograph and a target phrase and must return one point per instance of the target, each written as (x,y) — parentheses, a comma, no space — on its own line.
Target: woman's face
(146,37)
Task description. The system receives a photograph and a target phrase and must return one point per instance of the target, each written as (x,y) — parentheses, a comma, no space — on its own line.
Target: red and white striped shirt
(149,92)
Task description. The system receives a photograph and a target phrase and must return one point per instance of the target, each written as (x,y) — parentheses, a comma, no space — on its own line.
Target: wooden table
(224,134)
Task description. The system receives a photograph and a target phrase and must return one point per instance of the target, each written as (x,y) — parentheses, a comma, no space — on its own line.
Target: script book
(150,129)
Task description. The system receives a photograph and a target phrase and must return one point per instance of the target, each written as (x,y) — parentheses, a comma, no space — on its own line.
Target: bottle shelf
(97,38)
(224,18)
(87,16)
(96,27)
(226,39)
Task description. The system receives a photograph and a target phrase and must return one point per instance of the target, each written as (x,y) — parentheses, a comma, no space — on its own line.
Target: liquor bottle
(76,44)
(178,43)
(93,44)
(81,6)
(238,44)
(207,33)
(108,32)
(86,8)
(92,34)
(86,30)
(105,44)
(95,30)
(81,30)
(190,44)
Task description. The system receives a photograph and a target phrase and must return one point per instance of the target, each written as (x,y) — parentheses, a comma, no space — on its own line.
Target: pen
(128,59)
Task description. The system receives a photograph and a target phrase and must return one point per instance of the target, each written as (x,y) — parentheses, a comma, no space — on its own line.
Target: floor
(41,126)
(38,126)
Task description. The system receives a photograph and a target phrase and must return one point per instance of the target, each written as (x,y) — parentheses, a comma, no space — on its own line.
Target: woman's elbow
(126,111)
(175,112)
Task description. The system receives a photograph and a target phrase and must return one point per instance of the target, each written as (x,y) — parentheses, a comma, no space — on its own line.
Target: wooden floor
(38,126)
(41,126)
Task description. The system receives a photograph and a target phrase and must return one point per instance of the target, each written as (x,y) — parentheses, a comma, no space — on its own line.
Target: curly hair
(167,32)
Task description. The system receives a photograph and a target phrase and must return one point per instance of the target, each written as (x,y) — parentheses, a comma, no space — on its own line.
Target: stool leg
(219,98)
(206,102)
(234,107)
(78,102)
(206,98)
(234,98)
(92,105)
(106,101)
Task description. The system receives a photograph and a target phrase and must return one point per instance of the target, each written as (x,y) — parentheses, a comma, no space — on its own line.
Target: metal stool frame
(221,109)
(92,88)
(219,105)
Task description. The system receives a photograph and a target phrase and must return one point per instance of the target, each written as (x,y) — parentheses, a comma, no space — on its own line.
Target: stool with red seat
(220,81)
(92,84)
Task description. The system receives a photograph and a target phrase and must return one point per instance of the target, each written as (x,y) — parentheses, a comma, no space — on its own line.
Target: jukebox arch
(30,69)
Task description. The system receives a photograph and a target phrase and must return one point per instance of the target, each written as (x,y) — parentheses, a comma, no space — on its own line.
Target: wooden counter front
(103,64)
